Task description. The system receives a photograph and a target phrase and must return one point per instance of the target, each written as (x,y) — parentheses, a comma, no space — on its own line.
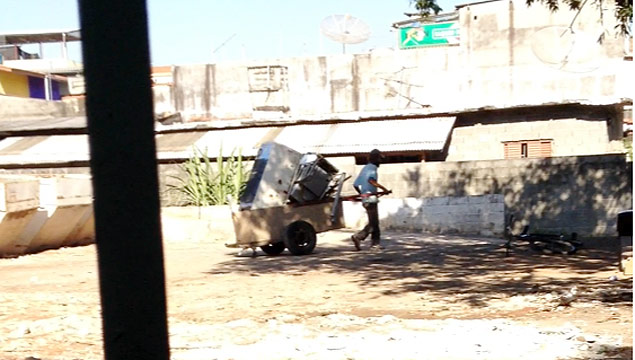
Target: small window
(268,78)
(527,149)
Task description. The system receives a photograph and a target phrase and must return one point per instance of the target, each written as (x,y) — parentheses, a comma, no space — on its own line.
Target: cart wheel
(273,248)
(299,237)
(563,247)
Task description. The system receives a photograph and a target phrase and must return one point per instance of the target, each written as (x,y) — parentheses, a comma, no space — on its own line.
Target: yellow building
(22,83)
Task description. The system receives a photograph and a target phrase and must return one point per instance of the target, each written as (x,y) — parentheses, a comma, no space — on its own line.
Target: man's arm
(375,183)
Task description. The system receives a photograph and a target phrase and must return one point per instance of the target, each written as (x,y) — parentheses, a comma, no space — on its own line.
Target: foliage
(426,7)
(623,10)
(208,184)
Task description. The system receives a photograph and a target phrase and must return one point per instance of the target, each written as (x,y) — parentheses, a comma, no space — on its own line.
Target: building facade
(503,78)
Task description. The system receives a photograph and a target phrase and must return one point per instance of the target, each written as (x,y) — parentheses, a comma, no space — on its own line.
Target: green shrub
(205,183)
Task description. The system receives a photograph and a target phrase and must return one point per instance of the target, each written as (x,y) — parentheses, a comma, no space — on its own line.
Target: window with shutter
(527,149)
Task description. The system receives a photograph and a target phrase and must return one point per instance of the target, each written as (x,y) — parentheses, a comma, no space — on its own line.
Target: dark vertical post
(125,181)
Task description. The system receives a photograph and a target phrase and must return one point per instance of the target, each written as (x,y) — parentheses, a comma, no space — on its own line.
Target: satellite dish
(567,49)
(345,29)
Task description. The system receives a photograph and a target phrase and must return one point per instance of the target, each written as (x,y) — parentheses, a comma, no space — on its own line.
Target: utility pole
(125,178)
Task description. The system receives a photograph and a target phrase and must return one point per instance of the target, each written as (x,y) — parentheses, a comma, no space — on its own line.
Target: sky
(206,31)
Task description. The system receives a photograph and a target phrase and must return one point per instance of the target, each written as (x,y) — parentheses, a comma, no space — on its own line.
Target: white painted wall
(468,215)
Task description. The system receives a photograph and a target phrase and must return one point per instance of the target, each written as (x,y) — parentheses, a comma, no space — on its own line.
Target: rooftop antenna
(223,44)
(345,29)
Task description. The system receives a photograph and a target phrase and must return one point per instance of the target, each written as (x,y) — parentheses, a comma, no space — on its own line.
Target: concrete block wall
(309,78)
(572,129)
(162,99)
(363,82)
(565,194)
(191,98)
(505,32)
(218,91)
(581,194)
(569,136)
(230,91)
(468,215)
(494,65)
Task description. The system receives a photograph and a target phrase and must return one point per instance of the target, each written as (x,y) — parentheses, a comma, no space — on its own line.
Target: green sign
(428,35)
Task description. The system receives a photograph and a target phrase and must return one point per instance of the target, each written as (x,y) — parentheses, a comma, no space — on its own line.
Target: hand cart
(289,198)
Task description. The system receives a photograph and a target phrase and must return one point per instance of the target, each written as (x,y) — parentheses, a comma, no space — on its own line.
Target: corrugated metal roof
(212,142)
(44,149)
(74,125)
(178,141)
(28,72)
(327,139)
(361,137)
(40,36)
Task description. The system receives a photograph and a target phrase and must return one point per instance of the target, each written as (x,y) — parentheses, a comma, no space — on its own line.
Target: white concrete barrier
(469,215)
(194,224)
(18,193)
(48,213)
(55,226)
(45,213)
(19,201)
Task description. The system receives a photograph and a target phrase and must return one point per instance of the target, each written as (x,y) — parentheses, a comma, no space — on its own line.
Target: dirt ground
(423,297)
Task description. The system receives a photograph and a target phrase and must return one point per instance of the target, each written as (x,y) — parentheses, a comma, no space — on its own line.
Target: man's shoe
(376,247)
(356,243)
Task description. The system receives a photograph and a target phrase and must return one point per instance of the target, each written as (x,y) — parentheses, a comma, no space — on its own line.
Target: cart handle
(360,197)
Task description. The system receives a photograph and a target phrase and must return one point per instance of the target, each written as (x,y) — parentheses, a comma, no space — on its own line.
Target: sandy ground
(423,297)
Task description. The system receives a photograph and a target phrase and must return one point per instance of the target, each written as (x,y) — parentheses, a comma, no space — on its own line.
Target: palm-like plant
(205,184)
